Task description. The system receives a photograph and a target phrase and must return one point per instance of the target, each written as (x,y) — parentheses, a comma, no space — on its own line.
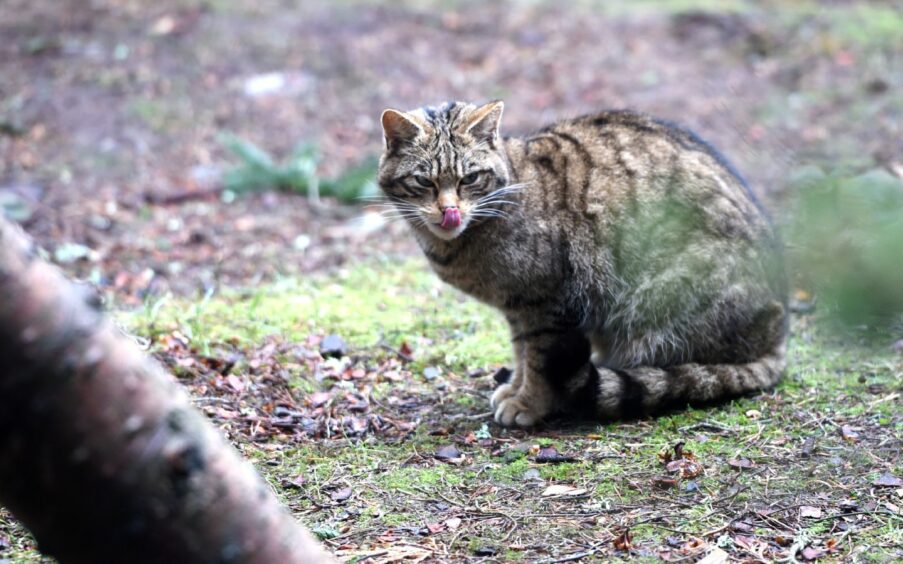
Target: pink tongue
(451,219)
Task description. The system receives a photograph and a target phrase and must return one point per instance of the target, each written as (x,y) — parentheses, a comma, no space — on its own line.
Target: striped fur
(635,268)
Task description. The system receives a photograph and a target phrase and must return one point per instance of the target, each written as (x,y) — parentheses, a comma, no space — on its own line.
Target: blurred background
(170,146)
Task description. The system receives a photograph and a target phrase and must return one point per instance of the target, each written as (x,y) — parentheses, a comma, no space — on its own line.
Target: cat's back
(620,161)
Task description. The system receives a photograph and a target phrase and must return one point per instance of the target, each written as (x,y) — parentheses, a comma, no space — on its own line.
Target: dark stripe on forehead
(450,110)
(460,112)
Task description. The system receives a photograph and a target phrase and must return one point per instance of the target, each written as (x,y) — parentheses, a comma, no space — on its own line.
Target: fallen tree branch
(101,455)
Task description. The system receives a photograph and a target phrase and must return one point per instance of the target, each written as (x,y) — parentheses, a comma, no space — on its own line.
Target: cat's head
(444,168)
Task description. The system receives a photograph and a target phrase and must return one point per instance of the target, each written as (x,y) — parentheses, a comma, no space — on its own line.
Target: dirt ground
(111,119)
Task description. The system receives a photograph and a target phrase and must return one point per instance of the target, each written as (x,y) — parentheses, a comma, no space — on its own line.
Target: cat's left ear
(399,127)
(485,121)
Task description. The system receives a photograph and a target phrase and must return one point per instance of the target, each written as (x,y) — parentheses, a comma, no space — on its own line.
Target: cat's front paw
(500,394)
(516,410)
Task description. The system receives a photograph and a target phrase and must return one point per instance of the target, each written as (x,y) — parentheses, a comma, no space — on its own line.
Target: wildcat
(635,268)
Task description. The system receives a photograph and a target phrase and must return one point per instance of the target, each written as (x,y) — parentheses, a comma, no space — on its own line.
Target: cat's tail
(633,392)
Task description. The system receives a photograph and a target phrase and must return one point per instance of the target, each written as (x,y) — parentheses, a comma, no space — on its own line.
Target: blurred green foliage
(13,207)
(258,171)
(845,235)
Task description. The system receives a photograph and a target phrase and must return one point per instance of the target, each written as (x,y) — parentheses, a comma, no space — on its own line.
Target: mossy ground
(786,471)
(819,440)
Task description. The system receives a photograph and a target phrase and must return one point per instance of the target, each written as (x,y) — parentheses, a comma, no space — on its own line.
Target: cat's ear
(485,121)
(399,128)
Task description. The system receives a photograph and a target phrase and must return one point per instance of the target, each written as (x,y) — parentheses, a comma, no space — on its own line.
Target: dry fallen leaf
(453,523)
(695,544)
(716,556)
(681,461)
(742,463)
(849,434)
(317,399)
(685,467)
(664,482)
(624,541)
(781,540)
(235,383)
(809,511)
(557,490)
(341,494)
(810,553)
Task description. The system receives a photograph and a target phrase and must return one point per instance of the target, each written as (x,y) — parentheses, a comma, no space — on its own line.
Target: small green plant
(845,232)
(259,171)
(325,532)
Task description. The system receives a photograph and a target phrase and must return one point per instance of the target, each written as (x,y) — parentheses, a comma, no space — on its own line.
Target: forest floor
(320,343)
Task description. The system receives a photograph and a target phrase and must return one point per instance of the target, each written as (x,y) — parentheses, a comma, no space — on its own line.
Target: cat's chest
(504,268)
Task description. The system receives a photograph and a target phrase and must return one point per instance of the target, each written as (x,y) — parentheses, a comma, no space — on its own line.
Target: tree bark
(101,455)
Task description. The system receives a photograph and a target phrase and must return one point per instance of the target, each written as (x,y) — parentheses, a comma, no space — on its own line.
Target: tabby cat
(635,268)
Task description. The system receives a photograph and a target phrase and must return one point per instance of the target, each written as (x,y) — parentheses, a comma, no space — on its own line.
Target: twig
(707,425)
(473,417)
(839,515)
(579,555)
(182,197)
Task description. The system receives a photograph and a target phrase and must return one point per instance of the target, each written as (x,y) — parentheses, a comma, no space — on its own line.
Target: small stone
(341,494)
(532,474)
(430,373)
(808,447)
(333,346)
(448,452)
(888,480)
(551,455)
(848,505)
(485,551)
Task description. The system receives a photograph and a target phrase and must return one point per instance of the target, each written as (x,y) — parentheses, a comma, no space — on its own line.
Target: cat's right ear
(399,128)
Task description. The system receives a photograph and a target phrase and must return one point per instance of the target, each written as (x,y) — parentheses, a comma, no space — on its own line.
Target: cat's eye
(470,178)
(423,181)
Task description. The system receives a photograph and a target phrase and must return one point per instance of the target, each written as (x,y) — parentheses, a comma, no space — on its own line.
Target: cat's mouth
(450,226)
(451,218)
